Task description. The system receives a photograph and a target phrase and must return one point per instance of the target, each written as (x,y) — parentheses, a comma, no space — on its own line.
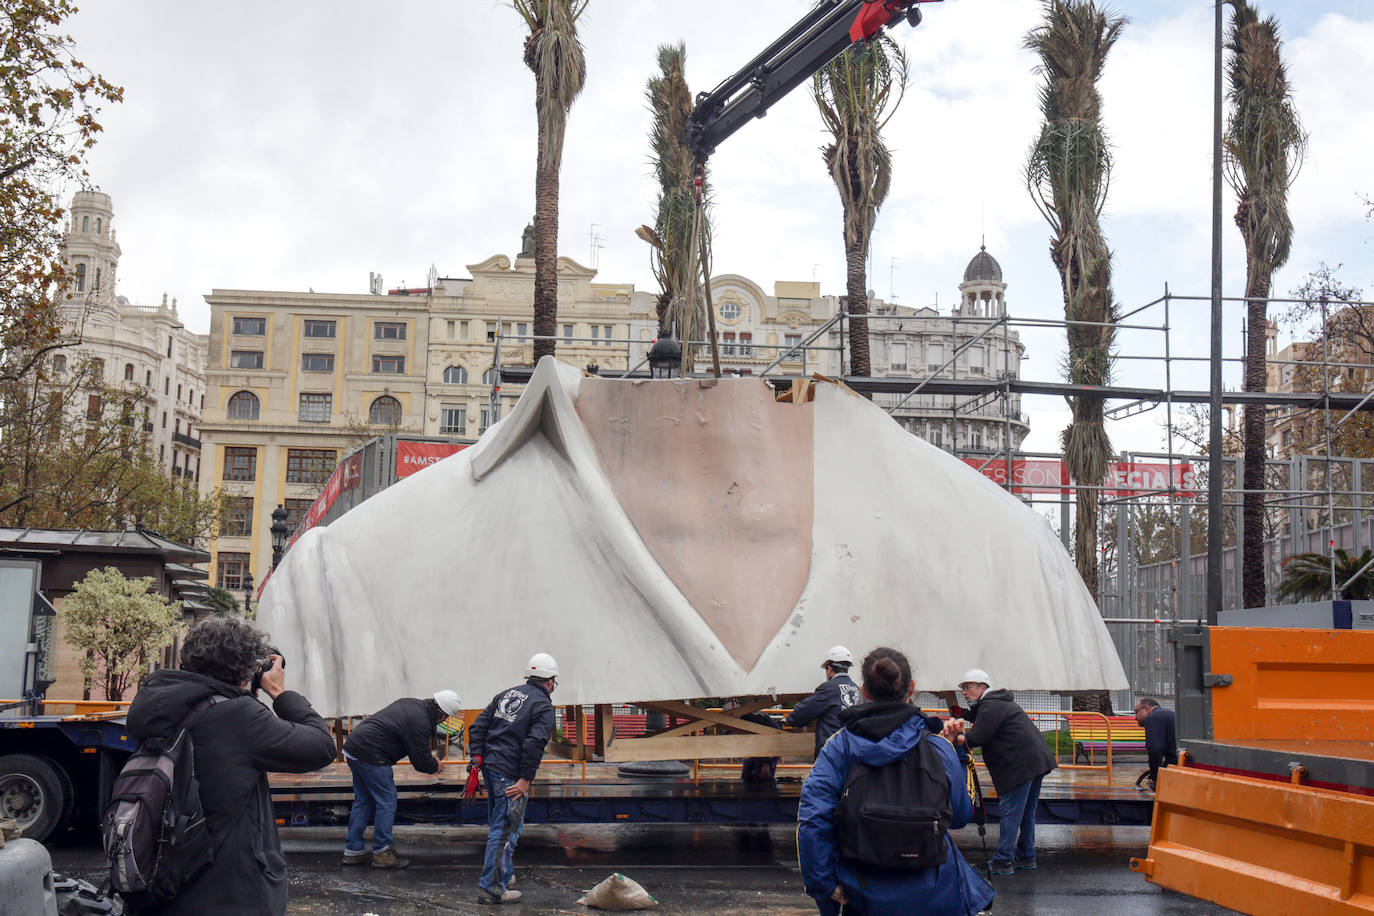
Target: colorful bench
(1092,735)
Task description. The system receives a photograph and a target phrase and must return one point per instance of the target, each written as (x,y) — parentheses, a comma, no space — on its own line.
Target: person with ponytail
(882,734)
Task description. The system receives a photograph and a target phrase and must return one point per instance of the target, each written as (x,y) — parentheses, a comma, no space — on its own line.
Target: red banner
(1034,475)
(416,456)
(1124,478)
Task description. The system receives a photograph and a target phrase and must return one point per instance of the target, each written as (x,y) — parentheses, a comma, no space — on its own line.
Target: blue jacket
(510,734)
(824,707)
(879,734)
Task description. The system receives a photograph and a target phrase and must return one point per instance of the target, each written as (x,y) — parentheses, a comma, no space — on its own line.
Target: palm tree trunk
(1252,551)
(855,254)
(545,259)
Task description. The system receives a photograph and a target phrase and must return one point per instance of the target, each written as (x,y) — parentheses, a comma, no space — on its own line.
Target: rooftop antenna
(813,271)
(594,243)
(891,271)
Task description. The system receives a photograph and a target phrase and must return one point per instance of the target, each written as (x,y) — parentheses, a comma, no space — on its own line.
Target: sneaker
(486,896)
(387,858)
(1001,868)
(356,858)
(1025,864)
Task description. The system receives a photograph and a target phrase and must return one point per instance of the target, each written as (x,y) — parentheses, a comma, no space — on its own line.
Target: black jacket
(1161,739)
(236,744)
(824,707)
(401,729)
(510,734)
(1013,747)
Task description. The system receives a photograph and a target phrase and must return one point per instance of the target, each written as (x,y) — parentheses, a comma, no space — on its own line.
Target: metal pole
(1214,420)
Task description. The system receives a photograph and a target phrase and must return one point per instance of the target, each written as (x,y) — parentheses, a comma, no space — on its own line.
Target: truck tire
(38,794)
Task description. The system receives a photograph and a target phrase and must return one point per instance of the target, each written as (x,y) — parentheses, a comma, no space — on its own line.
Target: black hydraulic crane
(826,30)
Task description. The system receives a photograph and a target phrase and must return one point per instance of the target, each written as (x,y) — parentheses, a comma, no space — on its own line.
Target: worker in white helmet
(506,744)
(835,694)
(401,729)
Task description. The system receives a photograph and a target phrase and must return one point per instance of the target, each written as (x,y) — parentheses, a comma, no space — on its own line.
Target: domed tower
(982,293)
(92,254)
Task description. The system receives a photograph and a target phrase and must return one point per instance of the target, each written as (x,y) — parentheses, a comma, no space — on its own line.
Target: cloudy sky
(285,146)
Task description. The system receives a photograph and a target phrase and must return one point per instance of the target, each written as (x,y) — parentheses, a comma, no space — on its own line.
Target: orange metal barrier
(1260,846)
(75,708)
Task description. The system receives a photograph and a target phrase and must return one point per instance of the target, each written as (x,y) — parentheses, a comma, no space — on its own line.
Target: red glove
(474,767)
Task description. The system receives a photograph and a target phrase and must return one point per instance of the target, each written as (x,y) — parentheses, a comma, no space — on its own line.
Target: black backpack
(153,828)
(896,816)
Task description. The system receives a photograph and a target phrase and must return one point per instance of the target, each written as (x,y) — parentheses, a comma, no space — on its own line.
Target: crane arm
(812,42)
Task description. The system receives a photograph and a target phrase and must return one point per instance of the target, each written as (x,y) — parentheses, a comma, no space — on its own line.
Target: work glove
(474,768)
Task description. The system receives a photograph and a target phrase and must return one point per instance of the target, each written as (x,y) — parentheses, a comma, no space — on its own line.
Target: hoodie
(879,734)
(236,744)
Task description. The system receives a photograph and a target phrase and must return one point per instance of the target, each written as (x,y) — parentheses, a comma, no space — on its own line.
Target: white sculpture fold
(680,539)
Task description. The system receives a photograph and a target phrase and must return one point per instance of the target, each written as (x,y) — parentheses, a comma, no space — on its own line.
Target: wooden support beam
(774,744)
(703,717)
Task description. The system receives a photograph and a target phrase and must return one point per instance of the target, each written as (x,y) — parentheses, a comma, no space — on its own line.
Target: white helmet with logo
(838,654)
(448,701)
(976,676)
(541,664)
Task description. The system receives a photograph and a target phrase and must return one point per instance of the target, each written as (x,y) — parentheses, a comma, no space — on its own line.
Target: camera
(265,665)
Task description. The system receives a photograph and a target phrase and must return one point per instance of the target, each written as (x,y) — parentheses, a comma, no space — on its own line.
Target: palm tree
(857,94)
(554,55)
(1307,576)
(1263,147)
(679,266)
(1068,173)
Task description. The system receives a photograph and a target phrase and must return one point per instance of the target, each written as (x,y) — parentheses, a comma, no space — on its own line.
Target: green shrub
(1059,741)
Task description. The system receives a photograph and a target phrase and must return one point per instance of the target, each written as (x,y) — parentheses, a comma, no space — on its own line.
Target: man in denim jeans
(506,744)
(402,729)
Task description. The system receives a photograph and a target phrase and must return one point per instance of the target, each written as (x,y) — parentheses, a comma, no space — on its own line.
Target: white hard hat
(975,676)
(541,664)
(448,701)
(839,654)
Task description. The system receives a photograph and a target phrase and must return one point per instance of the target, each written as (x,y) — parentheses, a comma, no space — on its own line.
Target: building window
(522,330)
(975,360)
(59,364)
(315,408)
(243,405)
(97,369)
(315,327)
(452,330)
(231,568)
(85,224)
(728,349)
(729,310)
(148,378)
(317,362)
(238,516)
(169,348)
(164,419)
(240,463)
(746,343)
(793,344)
(252,326)
(97,276)
(453,421)
(897,357)
(489,377)
(93,407)
(455,375)
(295,512)
(389,330)
(128,372)
(97,224)
(309,465)
(935,356)
(975,439)
(484,419)
(389,365)
(385,411)
(596,335)
(178,392)
(937,437)
(245,359)
(567,332)
(81,278)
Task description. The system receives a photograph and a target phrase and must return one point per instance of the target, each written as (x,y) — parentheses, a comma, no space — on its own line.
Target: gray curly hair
(226,648)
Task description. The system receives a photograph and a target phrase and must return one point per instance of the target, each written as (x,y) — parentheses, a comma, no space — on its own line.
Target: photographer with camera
(401,729)
(236,741)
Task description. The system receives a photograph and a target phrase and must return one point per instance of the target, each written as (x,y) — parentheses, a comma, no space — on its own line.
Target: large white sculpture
(680,539)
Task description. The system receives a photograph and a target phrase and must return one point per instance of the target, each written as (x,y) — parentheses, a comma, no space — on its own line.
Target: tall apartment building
(1347,363)
(142,347)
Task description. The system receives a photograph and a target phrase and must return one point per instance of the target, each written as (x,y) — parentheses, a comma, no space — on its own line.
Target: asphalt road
(690,870)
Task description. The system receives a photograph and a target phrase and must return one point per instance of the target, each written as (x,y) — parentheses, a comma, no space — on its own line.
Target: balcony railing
(186,440)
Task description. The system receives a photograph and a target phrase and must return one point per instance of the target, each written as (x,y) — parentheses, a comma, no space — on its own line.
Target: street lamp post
(665,357)
(279,533)
(247,593)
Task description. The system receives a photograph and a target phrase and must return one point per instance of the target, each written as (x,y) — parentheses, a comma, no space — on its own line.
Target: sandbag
(618,893)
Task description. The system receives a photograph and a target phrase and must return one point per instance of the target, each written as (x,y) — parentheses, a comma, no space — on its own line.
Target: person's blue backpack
(153,829)
(896,816)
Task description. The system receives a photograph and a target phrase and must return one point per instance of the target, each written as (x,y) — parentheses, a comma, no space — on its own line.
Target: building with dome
(144,349)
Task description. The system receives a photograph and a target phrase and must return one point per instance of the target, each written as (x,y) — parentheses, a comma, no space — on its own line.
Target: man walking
(506,744)
(1017,758)
(401,729)
(836,693)
(1161,737)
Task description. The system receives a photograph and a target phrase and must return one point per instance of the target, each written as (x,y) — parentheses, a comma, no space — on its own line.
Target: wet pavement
(690,870)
